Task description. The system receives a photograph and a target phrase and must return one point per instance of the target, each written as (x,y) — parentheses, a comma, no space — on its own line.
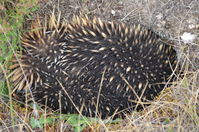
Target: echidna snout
(92,66)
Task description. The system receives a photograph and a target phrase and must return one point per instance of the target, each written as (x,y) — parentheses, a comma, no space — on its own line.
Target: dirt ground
(169,18)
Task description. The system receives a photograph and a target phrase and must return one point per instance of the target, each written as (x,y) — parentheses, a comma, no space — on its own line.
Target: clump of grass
(12,17)
(12,14)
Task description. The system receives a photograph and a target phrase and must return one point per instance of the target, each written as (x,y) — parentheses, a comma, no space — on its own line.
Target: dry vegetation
(176,109)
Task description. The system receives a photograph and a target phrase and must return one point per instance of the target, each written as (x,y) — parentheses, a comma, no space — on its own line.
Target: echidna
(92,66)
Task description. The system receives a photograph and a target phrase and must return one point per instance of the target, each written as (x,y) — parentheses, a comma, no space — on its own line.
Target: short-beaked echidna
(92,66)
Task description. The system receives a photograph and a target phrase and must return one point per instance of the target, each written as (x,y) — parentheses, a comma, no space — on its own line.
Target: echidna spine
(65,64)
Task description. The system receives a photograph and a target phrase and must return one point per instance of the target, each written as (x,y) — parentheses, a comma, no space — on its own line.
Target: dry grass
(177,107)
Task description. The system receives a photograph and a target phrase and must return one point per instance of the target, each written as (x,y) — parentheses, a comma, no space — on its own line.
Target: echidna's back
(91,66)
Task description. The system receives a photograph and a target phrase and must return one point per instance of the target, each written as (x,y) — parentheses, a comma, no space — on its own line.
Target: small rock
(191,26)
(159,16)
(113,12)
(188,37)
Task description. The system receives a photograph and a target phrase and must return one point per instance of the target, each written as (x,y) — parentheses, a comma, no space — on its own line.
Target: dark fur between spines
(68,64)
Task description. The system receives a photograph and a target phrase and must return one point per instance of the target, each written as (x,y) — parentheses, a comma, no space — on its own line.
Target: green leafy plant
(78,122)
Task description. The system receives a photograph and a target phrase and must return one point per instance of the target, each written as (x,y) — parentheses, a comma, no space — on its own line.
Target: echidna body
(92,66)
